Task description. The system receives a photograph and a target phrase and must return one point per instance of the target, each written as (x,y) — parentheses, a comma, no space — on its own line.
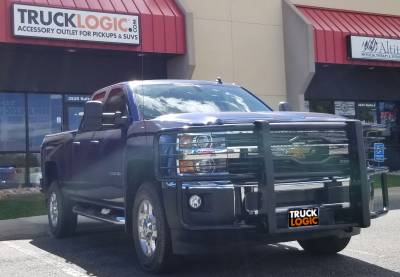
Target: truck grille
(249,160)
(296,154)
(309,153)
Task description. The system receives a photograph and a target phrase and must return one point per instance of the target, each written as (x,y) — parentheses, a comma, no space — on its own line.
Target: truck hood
(245,117)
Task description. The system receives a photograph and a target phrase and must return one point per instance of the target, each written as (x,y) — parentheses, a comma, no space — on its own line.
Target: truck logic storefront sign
(372,48)
(58,23)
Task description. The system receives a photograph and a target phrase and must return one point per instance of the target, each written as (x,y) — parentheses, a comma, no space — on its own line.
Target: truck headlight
(200,141)
(208,153)
(201,153)
(204,141)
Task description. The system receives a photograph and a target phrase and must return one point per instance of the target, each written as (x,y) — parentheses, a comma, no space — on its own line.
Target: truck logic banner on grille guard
(303,217)
(59,23)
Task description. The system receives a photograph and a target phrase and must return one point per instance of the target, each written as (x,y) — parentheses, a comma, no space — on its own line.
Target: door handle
(76,143)
(95,141)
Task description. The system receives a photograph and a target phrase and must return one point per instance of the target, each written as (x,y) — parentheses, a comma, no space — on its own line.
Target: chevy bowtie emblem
(299,151)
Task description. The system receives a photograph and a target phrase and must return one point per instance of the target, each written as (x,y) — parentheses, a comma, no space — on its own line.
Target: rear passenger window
(99,96)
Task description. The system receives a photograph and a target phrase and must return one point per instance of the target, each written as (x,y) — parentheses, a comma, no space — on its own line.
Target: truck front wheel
(62,220)
(327,245)
(150,230)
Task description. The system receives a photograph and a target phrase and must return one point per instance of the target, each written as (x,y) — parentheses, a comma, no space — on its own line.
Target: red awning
(162,26)
(332,27)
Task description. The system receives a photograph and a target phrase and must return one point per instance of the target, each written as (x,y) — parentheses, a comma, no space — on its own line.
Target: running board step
(102,214)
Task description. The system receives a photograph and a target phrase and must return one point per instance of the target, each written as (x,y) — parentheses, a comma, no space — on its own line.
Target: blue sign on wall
(379,152)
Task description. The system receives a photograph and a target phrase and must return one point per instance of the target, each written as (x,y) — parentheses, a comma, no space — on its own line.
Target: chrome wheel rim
(147,228)
(53,209)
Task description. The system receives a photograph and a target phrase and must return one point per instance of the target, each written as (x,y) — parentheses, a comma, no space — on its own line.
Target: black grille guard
(359,188)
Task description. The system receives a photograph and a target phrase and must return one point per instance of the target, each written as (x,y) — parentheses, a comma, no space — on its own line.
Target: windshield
(161,99)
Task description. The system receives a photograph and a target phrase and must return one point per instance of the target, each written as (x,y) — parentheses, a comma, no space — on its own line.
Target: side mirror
(284,107)
(93,116)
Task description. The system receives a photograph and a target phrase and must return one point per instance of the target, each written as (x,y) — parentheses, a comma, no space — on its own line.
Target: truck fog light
(195,202)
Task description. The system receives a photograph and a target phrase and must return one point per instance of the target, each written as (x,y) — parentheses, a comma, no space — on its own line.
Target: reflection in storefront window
(388,113)
(44,117)
(35,172)
(12,122)
(74,108)
(366,112)
(74,117)
(12,170)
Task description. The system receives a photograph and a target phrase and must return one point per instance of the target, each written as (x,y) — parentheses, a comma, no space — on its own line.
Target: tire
(64,223)
(325,246)
(153,249)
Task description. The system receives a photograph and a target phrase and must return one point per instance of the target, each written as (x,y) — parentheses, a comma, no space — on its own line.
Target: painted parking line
(44,258)
(365,253)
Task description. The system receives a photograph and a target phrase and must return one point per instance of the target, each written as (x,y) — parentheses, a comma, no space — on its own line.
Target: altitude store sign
(56,23)
(373,48)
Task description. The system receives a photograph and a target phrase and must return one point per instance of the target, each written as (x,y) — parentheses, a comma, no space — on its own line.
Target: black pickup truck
(192,166)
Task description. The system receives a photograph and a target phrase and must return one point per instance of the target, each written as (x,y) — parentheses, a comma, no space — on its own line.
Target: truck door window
(115,103)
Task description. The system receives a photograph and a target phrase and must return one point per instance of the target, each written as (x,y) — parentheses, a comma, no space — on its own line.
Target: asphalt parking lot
(103,250)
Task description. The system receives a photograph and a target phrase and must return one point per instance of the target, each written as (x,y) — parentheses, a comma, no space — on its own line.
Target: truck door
(81,164)
(84,168)
(110,150)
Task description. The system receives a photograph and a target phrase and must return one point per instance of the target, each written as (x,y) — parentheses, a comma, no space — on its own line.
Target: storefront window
(389,115)
(35,172)
(12,122)
(321,106)
(12,170)
(385,113)
(366,112)
(44,117)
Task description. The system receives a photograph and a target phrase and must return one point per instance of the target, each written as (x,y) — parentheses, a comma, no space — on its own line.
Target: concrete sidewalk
(24,228)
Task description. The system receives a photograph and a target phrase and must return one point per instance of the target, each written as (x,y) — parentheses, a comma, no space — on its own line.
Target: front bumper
(227,205)
(225,220)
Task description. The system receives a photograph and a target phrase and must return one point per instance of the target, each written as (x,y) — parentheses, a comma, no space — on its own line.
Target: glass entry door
(74,115)
(73,111)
